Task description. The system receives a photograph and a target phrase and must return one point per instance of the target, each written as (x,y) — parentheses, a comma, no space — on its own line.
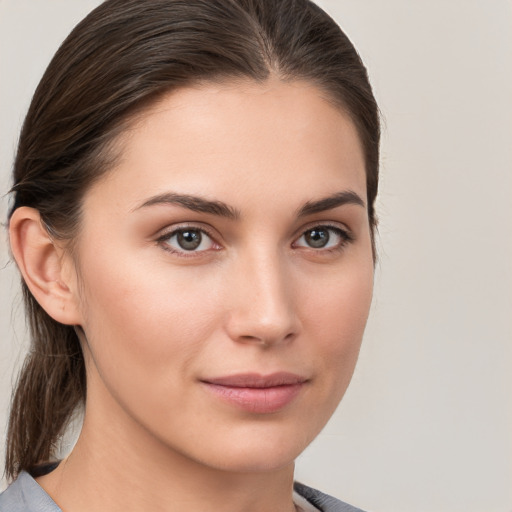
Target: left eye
(322,237)
(187,240)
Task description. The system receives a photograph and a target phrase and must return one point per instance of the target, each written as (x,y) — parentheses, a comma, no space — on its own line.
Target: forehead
(239,138)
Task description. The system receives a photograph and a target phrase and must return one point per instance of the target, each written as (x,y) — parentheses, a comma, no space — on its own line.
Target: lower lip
(257,400)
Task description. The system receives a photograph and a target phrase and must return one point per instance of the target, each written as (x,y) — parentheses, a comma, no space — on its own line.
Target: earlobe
(42,264)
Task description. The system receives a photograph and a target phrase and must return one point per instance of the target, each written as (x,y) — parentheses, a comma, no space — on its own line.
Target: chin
(257,460)
(255,452)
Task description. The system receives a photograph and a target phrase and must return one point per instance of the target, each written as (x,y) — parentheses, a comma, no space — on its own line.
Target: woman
(193,220)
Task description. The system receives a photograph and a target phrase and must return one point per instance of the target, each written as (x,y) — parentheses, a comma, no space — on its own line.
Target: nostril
(266,341)
(250,338)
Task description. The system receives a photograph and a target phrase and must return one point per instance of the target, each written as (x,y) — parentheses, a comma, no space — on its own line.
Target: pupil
(317,238)
(189,240)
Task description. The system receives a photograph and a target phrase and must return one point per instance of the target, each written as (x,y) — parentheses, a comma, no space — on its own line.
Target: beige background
(427,423)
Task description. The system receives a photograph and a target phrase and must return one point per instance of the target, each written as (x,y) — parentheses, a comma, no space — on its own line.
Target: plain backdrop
(426,425)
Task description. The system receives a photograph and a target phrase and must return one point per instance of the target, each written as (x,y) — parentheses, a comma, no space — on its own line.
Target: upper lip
(255,380)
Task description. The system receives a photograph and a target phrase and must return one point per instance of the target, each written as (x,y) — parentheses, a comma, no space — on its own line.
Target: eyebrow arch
(330,202)
(194,203)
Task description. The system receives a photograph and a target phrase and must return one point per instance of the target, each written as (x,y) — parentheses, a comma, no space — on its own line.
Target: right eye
(187,240)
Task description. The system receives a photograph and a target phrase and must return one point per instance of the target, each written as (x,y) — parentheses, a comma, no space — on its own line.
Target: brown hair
(124,55)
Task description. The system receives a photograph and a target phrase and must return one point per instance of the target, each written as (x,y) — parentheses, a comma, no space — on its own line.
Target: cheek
(144,322)
(146,328)
(337,317)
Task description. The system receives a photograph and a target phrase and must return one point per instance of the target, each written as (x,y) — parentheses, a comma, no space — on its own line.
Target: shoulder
(322,501)
(26,495)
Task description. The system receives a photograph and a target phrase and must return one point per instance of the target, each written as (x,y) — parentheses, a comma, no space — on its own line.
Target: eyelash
(345,238)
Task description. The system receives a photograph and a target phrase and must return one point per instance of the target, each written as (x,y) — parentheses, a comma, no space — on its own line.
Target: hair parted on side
(117,61)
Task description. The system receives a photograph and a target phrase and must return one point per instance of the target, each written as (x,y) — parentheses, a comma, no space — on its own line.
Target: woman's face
(226,275)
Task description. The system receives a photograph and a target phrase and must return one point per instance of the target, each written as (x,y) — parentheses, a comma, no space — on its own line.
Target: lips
(260,394)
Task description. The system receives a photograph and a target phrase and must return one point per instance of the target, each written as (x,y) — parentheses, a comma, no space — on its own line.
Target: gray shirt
(26,495)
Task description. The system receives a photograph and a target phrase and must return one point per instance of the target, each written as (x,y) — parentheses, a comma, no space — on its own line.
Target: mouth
(260,394)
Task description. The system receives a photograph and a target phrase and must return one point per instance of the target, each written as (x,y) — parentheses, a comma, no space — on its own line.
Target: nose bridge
(263,307)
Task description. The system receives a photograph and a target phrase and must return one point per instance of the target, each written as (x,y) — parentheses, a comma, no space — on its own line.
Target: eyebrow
(194,203)
(221,209)
(331,202)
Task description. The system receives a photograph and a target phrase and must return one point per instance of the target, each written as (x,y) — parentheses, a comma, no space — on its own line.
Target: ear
(47,269)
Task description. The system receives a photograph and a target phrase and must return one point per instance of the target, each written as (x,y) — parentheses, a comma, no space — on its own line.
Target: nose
(262,302)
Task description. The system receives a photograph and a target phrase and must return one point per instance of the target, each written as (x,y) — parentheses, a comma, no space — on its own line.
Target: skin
(254,297)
